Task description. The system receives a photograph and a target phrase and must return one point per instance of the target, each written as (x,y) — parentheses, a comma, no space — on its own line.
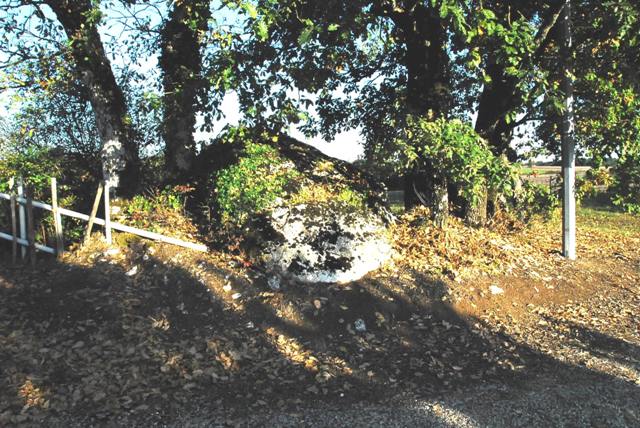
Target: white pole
(25,243)
(568,144)
(107,212)
(14,226)
(22,217)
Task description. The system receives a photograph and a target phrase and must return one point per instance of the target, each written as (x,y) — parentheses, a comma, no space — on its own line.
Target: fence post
(107,213)
(21,217)
(94,211)
(32,229)
(57,218)
(14,226)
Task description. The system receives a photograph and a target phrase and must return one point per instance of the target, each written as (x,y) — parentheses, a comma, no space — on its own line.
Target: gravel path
(585,401)
(575,398)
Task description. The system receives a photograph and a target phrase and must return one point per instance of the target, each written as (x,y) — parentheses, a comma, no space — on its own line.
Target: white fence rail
(22,201)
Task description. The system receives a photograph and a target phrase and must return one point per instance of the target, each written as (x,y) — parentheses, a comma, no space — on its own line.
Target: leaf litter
(84,339)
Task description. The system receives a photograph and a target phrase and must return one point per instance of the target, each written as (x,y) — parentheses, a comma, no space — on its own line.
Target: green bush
(535,200)
(168,198)
(253,184)
(626,185)
(156,209)
(37,165)
(455,152)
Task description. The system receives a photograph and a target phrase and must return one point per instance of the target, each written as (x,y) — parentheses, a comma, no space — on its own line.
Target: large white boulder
(322,243)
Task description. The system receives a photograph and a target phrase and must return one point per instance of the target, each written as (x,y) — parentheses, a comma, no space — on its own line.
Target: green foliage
(314,193)
(452,150)
(626,186)
(607,88)
(252,184)
(261,178)
(37,165)
(535,200)
(587,186)
(156,208)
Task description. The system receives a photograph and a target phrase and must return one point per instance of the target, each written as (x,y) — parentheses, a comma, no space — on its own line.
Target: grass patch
(606,218)
(537,171)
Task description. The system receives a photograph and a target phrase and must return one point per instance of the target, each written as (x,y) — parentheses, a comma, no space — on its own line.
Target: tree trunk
(425,187)
(498,98)
(476,214)
(428,95)
(439,204)
(181,64)
(120,161)
(427,62)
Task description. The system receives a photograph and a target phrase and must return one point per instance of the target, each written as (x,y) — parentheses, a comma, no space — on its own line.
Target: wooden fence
(23,228)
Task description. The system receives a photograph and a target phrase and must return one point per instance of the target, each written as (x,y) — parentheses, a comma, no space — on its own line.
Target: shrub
(316,192)
(535,200)
(455,152)
(158,210)
(35,164)
(626,185)
(253,184)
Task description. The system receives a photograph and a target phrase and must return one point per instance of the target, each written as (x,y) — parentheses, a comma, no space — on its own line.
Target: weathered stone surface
(322,242)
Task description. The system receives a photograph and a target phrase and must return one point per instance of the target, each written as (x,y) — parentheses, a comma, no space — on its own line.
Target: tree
(181,64)
(510,39)
(606,82)
(327,67)
(512,76)
(64,43)
(370,64)
(120,159)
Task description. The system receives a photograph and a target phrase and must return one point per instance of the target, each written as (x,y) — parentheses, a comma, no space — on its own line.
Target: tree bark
(119,153)
(428,95)
(496,100)
(440,203)
(181,64)
(427,62)
(476,214)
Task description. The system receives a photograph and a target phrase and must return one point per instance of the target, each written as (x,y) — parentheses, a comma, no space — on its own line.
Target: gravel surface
(575,399)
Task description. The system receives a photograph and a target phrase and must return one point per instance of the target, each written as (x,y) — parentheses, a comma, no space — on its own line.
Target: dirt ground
(463,324)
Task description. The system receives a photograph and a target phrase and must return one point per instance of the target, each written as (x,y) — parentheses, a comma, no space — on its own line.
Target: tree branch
(542,37)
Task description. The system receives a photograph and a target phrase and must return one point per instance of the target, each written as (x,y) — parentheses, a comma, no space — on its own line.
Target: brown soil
(147,334)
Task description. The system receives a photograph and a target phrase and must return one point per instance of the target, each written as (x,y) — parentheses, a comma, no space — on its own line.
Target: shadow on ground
(100,343)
